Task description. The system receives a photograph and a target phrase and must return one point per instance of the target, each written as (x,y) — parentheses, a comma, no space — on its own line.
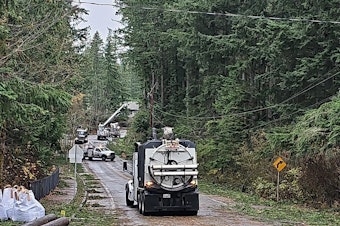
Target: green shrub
(289,188)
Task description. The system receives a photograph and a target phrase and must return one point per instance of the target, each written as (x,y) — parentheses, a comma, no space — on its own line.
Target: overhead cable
(226,14)
(253,110)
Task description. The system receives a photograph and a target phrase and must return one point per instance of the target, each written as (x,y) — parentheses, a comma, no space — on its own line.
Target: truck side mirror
(124,165)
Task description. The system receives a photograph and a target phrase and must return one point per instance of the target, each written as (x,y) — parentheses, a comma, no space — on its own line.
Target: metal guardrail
(44,186)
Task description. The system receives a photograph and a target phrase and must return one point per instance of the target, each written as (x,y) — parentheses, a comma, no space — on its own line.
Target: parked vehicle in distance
(81,136)
(115,130)
(102,132)
(100,152)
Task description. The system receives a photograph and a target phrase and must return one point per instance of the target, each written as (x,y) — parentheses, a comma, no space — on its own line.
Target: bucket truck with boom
(102,132)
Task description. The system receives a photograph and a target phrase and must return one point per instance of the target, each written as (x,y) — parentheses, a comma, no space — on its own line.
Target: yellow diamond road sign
(279,164)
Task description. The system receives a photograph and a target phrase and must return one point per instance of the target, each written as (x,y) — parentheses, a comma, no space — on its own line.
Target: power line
(230,15)
(254,110)
(289,116)
(311,87)
(226,14)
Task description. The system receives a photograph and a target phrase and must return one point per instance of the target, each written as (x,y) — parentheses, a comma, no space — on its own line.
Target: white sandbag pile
(19,204)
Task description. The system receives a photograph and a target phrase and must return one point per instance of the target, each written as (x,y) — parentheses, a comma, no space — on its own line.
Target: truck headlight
(149,184)
(193,182)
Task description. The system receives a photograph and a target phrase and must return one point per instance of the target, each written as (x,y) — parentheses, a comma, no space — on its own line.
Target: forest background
(247,81)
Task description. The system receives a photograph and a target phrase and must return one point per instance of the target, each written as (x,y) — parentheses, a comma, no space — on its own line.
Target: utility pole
(152,99)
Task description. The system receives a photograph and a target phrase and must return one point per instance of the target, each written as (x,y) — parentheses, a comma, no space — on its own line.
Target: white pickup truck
(101,152)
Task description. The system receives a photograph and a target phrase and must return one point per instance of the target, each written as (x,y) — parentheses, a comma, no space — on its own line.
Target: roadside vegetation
(246,88)
(282,212)
(78,211)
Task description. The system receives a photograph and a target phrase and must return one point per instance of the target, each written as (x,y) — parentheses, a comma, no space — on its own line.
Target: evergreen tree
(37,61)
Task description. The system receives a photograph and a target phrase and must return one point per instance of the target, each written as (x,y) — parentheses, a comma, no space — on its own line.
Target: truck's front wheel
(139,203)
(143,204)
(128,201)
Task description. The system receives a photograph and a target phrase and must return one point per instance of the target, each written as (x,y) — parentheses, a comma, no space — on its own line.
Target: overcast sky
(101,17)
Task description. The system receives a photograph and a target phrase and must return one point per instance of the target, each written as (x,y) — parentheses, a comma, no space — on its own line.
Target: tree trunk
(3,152)
(187,92)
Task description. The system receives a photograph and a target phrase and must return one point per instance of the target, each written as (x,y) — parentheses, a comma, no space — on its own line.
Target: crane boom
(114,115)
(102,133)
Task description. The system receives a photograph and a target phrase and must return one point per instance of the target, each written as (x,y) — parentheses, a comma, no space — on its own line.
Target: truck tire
(139,202)
(90,158)
(104,158)
(128,201)
(143,204)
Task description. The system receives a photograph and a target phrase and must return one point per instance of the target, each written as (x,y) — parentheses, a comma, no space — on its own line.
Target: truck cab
(101,152)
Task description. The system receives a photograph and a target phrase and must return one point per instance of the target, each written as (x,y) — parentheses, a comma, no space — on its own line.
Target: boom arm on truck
(114,115)
(102,133)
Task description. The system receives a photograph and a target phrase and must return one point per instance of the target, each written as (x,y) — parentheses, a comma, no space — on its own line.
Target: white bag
(26,207)
(7,204)
(39,210)
(3,214)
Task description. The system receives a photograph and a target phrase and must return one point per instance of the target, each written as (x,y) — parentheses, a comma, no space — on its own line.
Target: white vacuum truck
(164,177)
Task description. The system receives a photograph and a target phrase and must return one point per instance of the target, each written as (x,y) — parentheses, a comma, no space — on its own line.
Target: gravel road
(214,210)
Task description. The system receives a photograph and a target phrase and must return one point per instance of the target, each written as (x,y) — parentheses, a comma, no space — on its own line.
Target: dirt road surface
(214,210)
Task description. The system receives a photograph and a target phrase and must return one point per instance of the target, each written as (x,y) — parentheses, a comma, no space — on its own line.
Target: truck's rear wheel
(90,158)
(104,158)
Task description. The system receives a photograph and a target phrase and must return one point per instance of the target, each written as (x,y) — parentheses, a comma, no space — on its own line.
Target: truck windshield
(105,149)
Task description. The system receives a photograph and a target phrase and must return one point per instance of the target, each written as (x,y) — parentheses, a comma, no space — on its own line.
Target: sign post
(279,164)
(75,155)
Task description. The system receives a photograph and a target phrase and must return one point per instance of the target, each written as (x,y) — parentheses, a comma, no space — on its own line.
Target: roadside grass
(78,213)
(271,211)
(260,209)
